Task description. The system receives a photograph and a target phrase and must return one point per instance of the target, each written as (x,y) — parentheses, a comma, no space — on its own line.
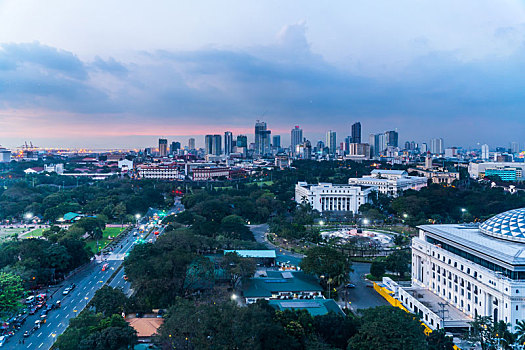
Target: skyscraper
(175,147)
(331,141)
(373,145)
(356,133)
(392,138)
(216,148)
(436,146)
(423,148)
(296,137)
(163,147)
(485,152)
(514,147)
(242,141)
(228,142)
(191,143)
(208,144)
(262,142)
(276,141)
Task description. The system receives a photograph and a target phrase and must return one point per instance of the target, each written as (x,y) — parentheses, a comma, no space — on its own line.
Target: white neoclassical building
(331,197)
(390,182)
(468,270)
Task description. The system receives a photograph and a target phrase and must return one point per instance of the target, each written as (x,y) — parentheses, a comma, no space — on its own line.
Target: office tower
(436,146)
(360,149)
(331,141)
(514,147)
(242,141)
(373,146)
(216,145)
(208,144)
(297,138)
(423,148)
(407,145)
(174,147)
(413,145)
(262,138)
(163,147)
(191,143)
(228,142)
(5,155)
(356,133)
(485,153)
(276,141)
(391,138)
(307,150)
(428,161)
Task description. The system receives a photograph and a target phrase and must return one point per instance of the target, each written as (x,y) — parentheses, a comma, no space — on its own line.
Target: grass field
(103,242)
(7,233)
(34,233)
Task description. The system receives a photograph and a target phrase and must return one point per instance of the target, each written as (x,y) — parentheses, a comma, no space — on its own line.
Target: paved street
(361,296)
(88,281)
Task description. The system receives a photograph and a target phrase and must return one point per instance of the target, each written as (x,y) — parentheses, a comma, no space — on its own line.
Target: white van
(29,300)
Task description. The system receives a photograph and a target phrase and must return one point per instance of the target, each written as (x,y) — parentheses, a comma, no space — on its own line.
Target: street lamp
(321,222)
(137,217)
(28,216)
(463,210)
(366,222)
(405,215)
(234,297)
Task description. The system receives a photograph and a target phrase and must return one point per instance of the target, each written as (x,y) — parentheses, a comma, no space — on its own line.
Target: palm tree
(520,332)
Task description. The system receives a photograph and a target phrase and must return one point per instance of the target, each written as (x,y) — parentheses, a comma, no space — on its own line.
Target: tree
(11,291)
(238,267)
(438,340)
(399,262)
(377,269)
(387,327)
(482,331)
(233,227)
(109,301)
(92,226)
(327,262)
(520,332)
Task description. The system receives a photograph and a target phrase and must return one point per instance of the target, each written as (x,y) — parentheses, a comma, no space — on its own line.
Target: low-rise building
(159,171)
(282,285)
(390,182)
(438,177)
(263,257)
(330,197)
(478,170)
(315,307)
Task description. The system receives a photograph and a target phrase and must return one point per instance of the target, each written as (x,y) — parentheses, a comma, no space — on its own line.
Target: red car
(156,233)
(104,267)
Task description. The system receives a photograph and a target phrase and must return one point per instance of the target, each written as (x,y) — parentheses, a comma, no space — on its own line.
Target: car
(30,299)
(105,267)
(26,334)
(72,286)
(156,233)
(49,307)
(66,291)
(57,304)
(350,285)
(32,311)
(3,340)
(125,277)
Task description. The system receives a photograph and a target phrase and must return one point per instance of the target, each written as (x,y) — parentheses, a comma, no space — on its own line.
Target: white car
(66,291)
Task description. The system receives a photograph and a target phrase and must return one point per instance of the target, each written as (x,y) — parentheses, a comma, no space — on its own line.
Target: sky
(117,73)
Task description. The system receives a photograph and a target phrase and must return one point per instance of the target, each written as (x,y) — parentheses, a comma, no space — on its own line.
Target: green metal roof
(70,216)
(253,253)
(315,307)
(277,281)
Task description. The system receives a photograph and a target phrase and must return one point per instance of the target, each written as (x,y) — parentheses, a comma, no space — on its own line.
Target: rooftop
(147,326)
(270,254)
(315,307)
(277,281)
(509,225)
(472,239)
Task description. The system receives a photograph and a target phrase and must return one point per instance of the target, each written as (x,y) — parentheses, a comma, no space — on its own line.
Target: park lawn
(104,241)
(7,233)
(35,233)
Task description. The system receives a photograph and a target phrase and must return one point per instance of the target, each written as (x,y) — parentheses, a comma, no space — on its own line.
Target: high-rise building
(191,143)
(331,141)
(356,133)
(276,141)
(392,138)
(307,150)
(436,146)
(228,142)
(208,144)
(373,145)
(297,138)
(514,147)
(242,141)
(423,148)
(174,147)
(485,152)
(216,148)
(262,138)
(163,147)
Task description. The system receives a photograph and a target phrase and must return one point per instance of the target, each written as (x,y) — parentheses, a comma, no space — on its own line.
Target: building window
(516,307)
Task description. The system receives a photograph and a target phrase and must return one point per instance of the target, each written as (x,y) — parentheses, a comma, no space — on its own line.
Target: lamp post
(137,217)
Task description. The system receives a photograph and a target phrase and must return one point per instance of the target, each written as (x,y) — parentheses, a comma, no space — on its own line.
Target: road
(88,281)
(362,297)
(259,233)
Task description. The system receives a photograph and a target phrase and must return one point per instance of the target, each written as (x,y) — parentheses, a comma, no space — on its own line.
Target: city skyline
(410,71)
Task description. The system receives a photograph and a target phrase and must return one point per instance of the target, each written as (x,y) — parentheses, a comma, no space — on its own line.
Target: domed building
(463,270)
